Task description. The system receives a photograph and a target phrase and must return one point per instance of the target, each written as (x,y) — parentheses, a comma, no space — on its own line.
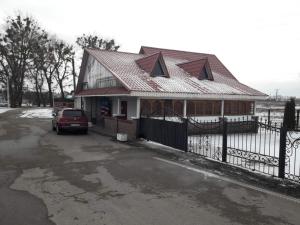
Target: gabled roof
(150,62)
(139,82)
(198,68)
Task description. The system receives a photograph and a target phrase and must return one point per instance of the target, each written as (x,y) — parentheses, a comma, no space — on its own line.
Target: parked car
(69,119)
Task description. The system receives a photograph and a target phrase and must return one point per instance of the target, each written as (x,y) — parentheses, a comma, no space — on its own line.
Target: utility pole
(276,94)
(8,92)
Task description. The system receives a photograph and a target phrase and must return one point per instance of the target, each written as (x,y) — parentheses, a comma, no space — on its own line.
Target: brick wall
(112,126)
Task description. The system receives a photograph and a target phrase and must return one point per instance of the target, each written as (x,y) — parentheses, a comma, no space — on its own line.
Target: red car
(70,120)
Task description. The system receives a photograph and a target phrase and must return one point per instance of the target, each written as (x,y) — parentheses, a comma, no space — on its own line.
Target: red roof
(215,64)
(148,63)
(197,68)
(132,71)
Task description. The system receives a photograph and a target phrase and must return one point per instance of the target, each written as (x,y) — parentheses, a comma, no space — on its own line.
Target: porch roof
(104,91)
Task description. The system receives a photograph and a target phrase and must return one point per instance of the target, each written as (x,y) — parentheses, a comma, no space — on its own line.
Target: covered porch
(120,114)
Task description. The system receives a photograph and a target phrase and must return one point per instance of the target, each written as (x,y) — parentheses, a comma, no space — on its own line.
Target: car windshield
(72,113)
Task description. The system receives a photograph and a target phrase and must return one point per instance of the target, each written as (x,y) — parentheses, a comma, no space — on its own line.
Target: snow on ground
(4,109)
(44,113)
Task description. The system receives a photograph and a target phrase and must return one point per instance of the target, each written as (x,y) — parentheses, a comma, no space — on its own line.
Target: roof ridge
(104,50)
(191,61)
(168,49)
(148,56)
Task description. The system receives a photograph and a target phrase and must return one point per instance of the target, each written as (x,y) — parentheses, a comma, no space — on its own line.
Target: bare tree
(16,46)
(94,41)
(63,54)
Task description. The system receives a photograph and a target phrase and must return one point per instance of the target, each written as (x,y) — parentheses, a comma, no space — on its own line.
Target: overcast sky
(257,40)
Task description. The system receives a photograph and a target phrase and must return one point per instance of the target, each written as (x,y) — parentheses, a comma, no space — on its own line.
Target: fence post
(297,122)
(255,121)
(117,128)
(269,117)
(224,149)
(282,152)
(186,122)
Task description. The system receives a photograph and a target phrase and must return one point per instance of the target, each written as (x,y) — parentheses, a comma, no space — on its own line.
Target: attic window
(204,73)
(154,65)
(157,70)
(199,68)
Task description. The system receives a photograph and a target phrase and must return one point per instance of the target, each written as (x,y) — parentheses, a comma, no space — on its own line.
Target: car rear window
(70,113)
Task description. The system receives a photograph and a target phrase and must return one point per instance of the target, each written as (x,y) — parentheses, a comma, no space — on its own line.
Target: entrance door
(124,109)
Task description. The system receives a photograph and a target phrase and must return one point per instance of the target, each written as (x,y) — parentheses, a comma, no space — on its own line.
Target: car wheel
(58,131)
(85,131)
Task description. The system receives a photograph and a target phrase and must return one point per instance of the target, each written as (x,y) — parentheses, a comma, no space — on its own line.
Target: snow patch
(4,109)
(44,113)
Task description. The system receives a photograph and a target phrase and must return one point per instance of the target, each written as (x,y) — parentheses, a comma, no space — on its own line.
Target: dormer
(199,68)
(154,65)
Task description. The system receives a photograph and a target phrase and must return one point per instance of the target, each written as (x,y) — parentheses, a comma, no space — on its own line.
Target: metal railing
(257,145)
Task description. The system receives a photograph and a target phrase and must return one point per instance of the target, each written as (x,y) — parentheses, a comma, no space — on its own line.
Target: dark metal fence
(258,150)
(168,133)
(246,142)
(292,154)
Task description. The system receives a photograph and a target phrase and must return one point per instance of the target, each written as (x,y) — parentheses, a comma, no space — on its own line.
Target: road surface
(90,179)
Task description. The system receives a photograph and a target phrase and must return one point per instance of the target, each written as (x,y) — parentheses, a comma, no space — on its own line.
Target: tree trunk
(61,87)
(74,75)
(37,94)
(50,94)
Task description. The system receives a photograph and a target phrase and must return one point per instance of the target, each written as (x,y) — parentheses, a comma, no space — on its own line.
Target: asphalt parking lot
(92,179)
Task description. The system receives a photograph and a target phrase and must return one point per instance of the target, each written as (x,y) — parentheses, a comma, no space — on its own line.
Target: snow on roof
(124,67)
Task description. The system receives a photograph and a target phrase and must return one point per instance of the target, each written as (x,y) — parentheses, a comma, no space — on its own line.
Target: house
(126,85)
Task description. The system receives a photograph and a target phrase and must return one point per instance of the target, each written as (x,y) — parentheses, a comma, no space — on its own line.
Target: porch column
(138,107)
(222,108)
(184,108)
(118,106)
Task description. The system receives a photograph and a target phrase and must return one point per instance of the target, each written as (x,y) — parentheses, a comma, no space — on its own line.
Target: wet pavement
(91,179)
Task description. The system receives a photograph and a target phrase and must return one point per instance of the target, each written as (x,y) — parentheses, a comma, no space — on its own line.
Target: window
(199,108)
(238,107)
(157,108)
(204,73)
(190,108)
(168,107)
(107,82)
(217,107)
(208,108)
(204,108)
(85,85)
(178,107)
(72,113)
(158,71)
(146,107)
